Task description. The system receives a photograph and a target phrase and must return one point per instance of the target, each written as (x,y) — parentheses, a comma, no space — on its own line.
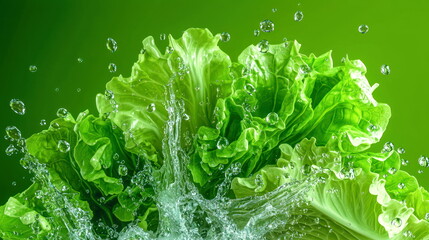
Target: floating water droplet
(32,68)
(62,113)
(401,185)
(162,36)
(423,161)
(111,45)
(80,60)
(272,118)
(57,89)
(112,67)
(169,49)
(392,170)
(404,162)
(363,28)
(109,94)
(400,150)
(63,146)
(17,106)
(151,107)
(420,171)
(13,132)
(14,183)
(298,16)
(397,222)
(250,89)
(122,170)
(256,32)
(225,37)
(42,122)
(266,26)
(274,10)
(263,46)
(78,90)
(222,143)
(304,69)
(385,69)
(388,147)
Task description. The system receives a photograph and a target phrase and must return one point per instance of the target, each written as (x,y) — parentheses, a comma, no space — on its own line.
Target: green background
(52,34)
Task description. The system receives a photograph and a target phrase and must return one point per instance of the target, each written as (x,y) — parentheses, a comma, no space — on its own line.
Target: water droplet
(112,67)
(404,162)
(372,128)
(17,106)
(363,28)
(42,122)
(388,147)
(274,10)
(385,69)
(122,170)
(111,45)
(423,161)
(401,185)
(151,107)
(285,42)
(298,16)
(13,132)
(186,117)
(14,183)
(57,89)
(256,32)
(62,113)
(250,89)
(397,222)
(10,150)
(109,94)
(78,90)
(304,69)
(115,156)
(420,171)
(263,46)
(400,150)
(63,146)
(162,36)
(225,37)
(32,68)
(80,60)
(306,169)
(169,49)
(392,170)
(272,118)
(222,143)
(266,26)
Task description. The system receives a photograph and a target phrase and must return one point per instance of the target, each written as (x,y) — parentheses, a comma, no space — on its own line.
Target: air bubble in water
(363,28)
(263,46)
(111,45)
(32,68)
(17,106)
(385,69)
(256,32)
(122,170)
(423,161)
(63,146)
(266,26)
(222,143)
(151,107)
(112,67)
(13,132)
(225,37)
(298,16)
(62,113)
(250,89)
(272,118)
(397,222)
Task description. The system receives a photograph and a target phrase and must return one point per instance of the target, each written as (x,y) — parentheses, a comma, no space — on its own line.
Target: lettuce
(195,146)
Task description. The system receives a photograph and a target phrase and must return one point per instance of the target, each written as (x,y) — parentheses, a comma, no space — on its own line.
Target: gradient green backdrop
(52,34)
